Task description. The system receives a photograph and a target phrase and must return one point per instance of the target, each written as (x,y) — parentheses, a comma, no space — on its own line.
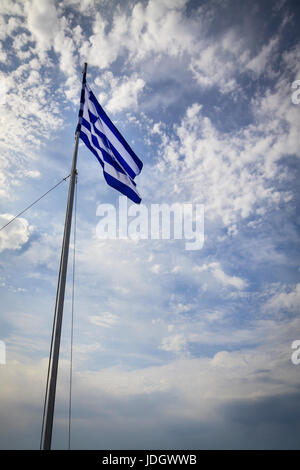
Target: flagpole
(59,305)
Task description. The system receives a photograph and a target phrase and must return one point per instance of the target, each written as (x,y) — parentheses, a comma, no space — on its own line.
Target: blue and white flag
(119,162)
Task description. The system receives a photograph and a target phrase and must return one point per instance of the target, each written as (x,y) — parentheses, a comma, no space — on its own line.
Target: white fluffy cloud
(15,234)
(42,21)
(158,27)
(234,174)
(52,31)
(125,94)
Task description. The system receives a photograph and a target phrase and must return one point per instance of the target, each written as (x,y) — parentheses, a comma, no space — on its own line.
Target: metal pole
(59,306)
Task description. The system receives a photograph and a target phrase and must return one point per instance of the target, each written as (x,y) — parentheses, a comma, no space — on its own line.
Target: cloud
(156,268)
(233,174)
(32,173)
(260,62)
(173,344)
(221,276)
(29,117)
(106,319)
(291,59)
(125,94)
(45,249)
(158,27)
(42,21)
(15,235)
(181,394)
(53,32)
(11,8)
(219,63)
(285,301)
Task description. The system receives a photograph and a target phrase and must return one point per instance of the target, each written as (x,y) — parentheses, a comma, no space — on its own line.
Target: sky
(173,348)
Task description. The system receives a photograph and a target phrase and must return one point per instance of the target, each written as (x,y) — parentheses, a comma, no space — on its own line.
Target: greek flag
(119,162)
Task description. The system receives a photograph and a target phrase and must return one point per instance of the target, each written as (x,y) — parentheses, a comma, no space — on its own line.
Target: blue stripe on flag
(123,188)
(86,124)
